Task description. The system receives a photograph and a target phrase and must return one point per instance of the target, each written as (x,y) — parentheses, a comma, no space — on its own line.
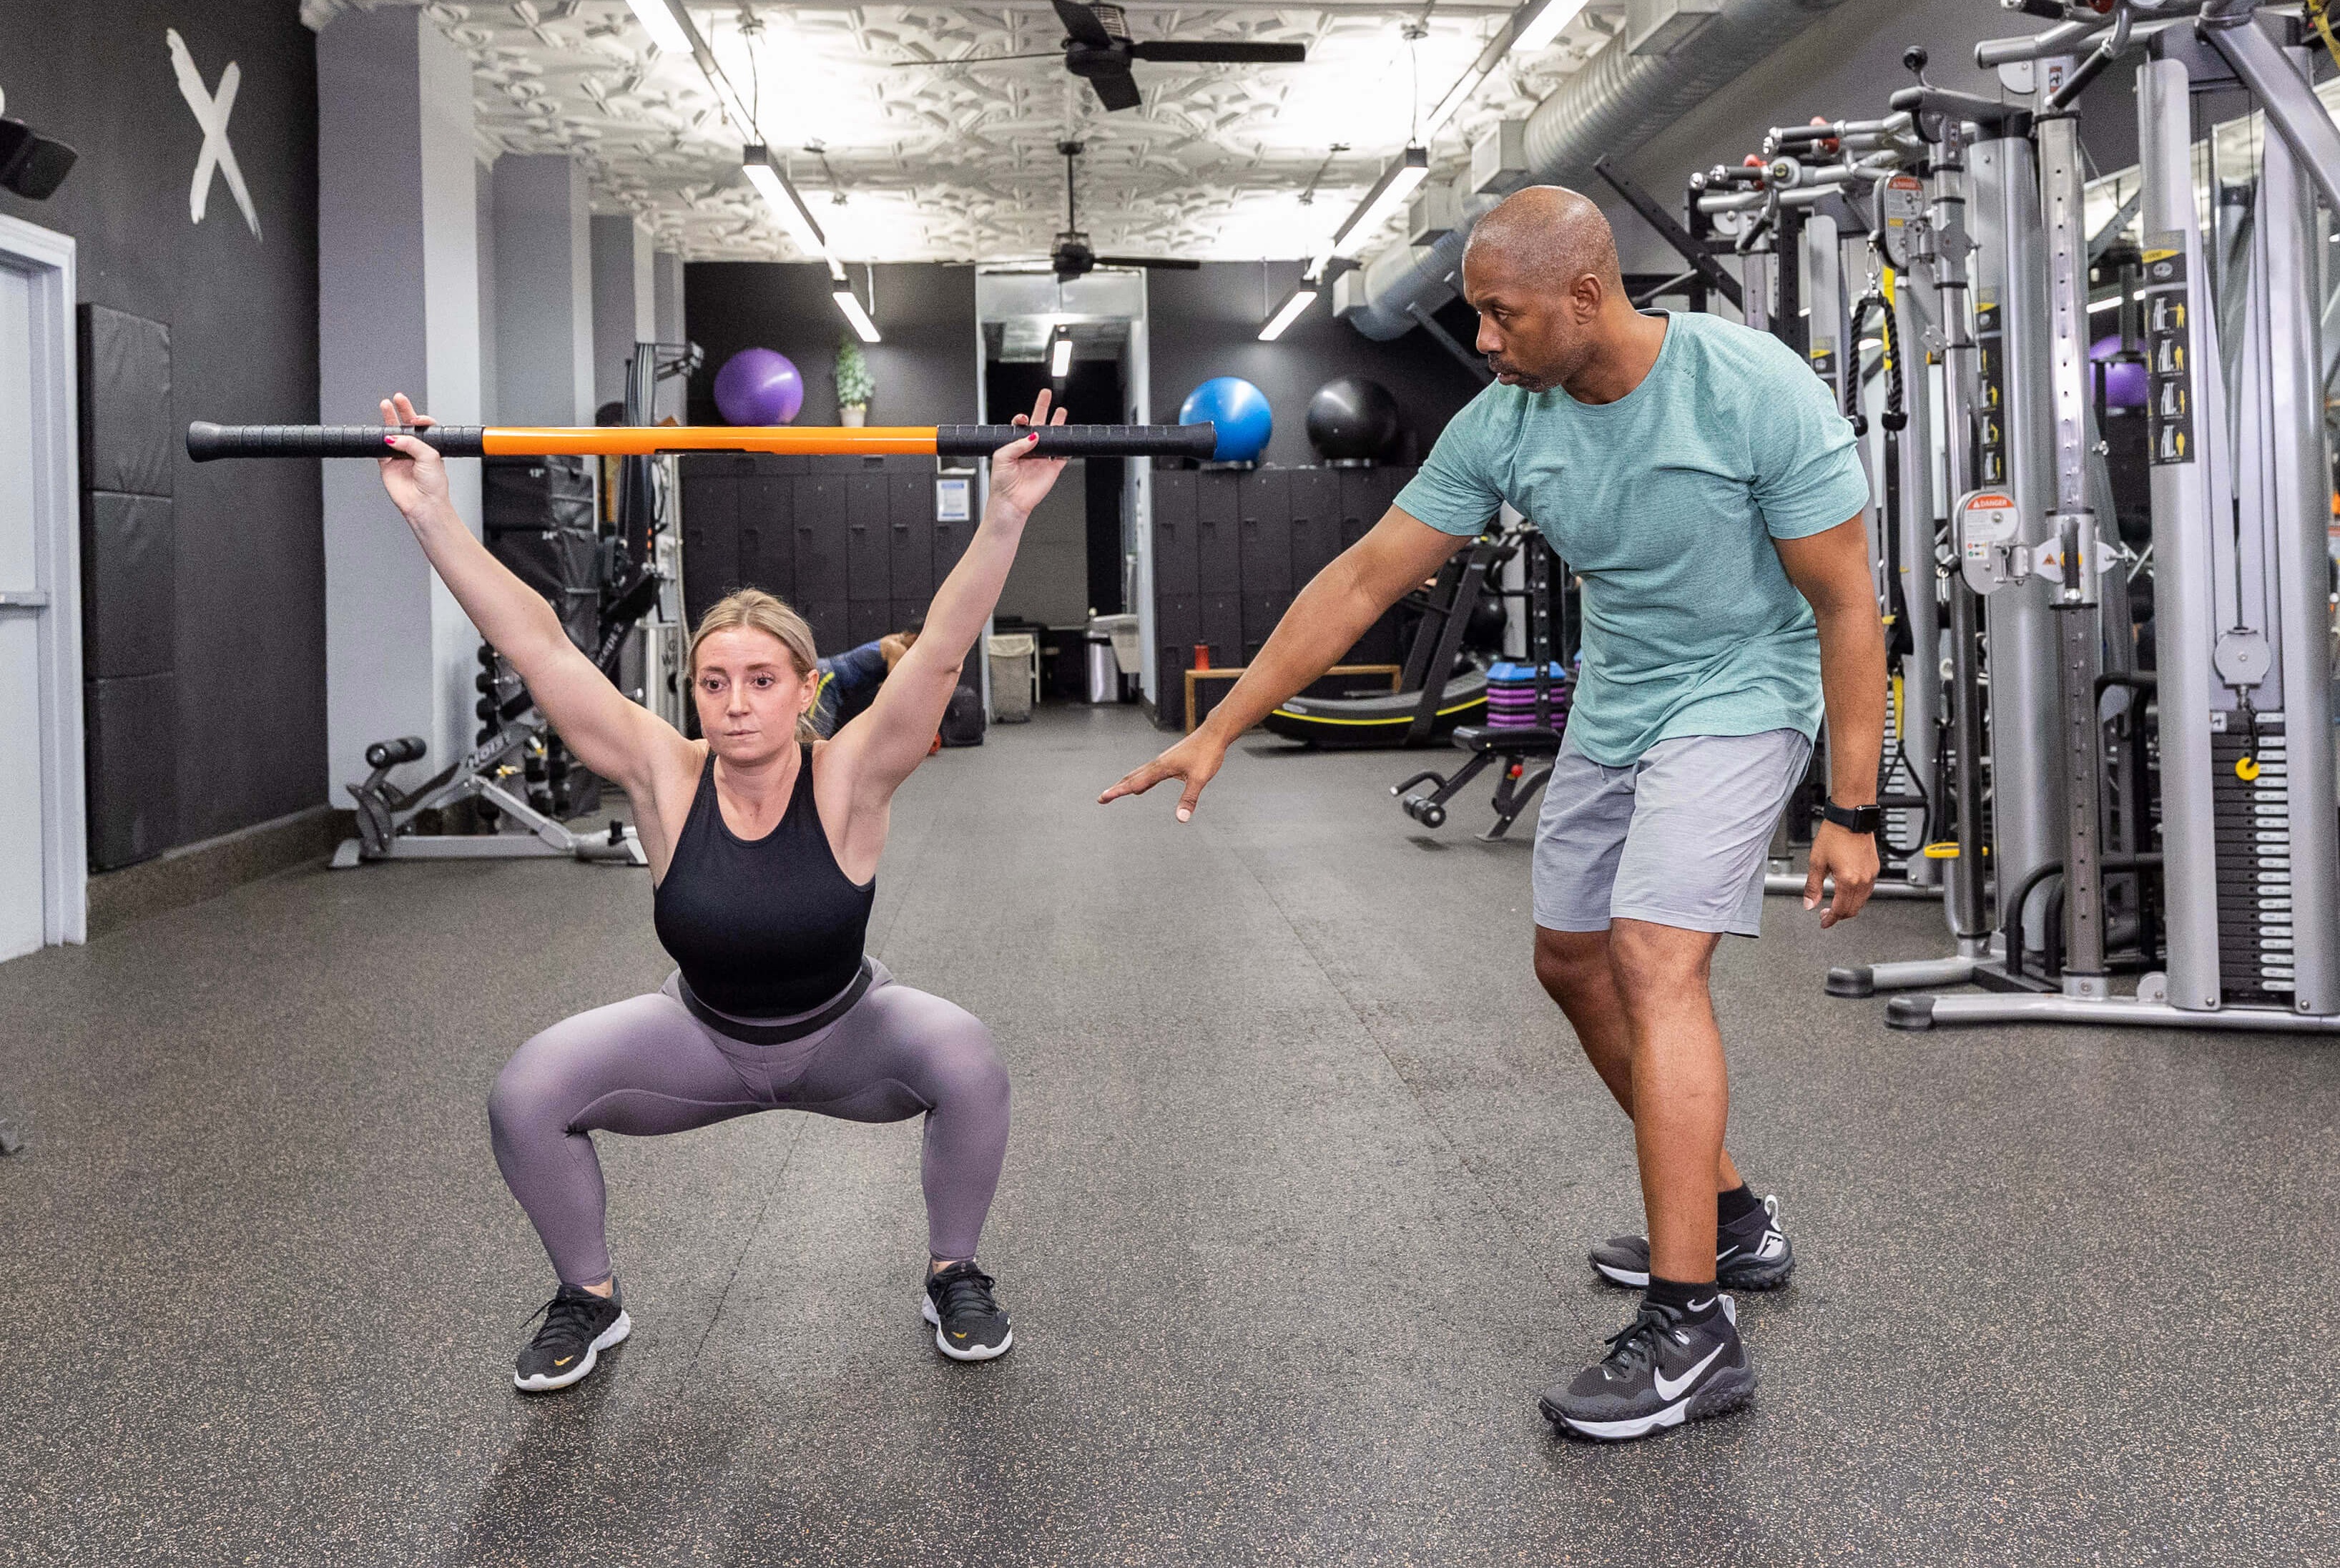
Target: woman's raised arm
(616,738)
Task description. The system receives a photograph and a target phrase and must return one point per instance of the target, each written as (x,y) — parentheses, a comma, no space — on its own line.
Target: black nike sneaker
(1661,1371)
(578,1327)
(969,1323)
(1752,1255)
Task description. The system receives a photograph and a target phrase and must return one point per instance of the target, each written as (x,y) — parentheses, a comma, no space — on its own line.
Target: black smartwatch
(1865,819)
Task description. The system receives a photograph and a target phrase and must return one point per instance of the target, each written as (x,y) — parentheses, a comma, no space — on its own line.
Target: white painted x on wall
(211,113)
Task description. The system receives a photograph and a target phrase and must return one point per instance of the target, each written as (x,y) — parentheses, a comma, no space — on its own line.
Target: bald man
(1699,478)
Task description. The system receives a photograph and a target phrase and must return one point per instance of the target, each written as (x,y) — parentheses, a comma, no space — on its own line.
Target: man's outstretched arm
(1337,608)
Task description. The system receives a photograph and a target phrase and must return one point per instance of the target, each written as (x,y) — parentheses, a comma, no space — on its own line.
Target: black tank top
(765,928)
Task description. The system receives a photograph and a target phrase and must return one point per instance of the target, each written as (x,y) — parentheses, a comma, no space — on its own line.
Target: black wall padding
(134,768)
(535,493)
(538,516)
(129,623)
(130,585)
(128,438)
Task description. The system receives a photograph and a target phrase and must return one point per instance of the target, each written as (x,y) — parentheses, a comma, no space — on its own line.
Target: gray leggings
(646,1066)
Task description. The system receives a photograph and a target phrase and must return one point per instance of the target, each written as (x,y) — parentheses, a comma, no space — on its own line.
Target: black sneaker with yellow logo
(969,1323)
(578,1327)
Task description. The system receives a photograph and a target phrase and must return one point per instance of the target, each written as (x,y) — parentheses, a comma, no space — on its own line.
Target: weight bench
(1515,748)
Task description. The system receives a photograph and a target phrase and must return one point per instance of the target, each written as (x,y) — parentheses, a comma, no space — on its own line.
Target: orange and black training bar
(207,441)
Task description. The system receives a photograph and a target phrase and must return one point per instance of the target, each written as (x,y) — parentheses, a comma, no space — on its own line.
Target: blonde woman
(763,842)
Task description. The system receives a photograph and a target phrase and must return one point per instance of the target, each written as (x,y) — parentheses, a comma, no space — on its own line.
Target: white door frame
(46,259)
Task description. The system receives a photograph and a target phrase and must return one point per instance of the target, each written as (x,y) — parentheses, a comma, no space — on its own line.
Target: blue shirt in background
(1666,501)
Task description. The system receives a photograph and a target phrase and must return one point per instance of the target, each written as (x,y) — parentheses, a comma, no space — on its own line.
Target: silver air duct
(1616,102)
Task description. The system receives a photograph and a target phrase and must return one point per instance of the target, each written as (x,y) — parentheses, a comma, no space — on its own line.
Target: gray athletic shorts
(1678,838)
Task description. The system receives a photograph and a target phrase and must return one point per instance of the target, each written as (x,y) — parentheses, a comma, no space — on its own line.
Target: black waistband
(778,1033)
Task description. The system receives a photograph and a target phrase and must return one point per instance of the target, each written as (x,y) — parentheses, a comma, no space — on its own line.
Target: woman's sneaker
(578,1327)
(1661,1370)
(1752,1255)
(969,1323)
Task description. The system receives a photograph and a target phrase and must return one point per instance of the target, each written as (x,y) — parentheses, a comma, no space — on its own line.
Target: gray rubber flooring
(1293,1228)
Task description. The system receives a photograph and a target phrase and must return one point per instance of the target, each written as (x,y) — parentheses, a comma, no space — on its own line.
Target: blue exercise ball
(1239,410)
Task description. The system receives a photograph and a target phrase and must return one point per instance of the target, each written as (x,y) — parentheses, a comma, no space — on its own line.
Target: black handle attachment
(1081,440)
(207,441)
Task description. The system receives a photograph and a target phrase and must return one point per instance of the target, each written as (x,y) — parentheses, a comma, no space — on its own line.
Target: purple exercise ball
(759,386)
(2123,383)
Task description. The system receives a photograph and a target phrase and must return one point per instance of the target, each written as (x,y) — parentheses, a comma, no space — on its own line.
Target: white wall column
(397,311)
(544,291)
(666,316)
(621,301)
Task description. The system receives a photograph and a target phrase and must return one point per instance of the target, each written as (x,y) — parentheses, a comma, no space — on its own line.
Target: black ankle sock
(1693,1303)
(1732,1207)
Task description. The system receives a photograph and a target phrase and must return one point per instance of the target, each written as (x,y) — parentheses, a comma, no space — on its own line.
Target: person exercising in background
(1700,479)
(763,842)
(849,680)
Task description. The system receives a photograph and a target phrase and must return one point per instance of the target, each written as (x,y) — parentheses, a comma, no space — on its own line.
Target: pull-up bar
(207,441)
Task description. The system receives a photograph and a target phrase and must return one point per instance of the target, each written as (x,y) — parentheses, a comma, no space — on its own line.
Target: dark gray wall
(925,369)
(1205,323)
(246,577)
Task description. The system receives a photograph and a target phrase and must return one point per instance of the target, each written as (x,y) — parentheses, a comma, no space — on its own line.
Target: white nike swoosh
(1724,1256)
(1670,1391)
(1702,1306)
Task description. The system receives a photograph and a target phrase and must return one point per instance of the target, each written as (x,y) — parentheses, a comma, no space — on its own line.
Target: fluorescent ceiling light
(848,303)
(1293,308)
(1542,24)
(1451,104)
(1396,183)
(781,197)
(1060,358)
(2111,304)
(660,23)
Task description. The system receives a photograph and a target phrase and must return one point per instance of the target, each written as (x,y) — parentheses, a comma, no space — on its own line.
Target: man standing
(1701,480)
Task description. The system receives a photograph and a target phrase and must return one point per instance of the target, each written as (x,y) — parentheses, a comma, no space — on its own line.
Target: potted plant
(854,386)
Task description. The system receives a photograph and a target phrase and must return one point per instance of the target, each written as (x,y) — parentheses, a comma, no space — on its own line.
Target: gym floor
(1303,1169)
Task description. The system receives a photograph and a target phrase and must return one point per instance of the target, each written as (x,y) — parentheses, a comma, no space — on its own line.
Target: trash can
(1101,671)
(1120,632)
(1015,670)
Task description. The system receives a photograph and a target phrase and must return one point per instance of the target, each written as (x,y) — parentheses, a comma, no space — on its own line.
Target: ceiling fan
(1099,49)
(1073,257)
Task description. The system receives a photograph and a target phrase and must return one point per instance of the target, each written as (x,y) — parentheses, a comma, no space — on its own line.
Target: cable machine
(2249,831)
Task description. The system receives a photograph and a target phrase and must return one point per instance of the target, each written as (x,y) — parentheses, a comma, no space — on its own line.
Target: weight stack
(537,516)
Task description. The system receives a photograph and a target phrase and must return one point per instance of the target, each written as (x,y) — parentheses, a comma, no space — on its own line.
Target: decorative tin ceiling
(904,160)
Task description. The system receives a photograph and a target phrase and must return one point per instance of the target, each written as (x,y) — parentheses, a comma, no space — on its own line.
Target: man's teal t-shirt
(1666,501)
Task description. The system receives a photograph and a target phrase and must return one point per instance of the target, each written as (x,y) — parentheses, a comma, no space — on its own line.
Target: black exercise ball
(1351,419)
(1485,630)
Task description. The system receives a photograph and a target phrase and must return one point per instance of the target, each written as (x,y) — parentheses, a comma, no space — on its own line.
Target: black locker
(904,613)
(767,549)
(1218,550)
(1260,612)
(1379,646)
(950,543)
(831,633)
(866,620)
(1223,628)
(1264,508)
(820,571)
(868,540)
(1173,531)
(1177,627)
(1315,522)
(1364,500)
(710,539)
(775,464)
(910,532)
